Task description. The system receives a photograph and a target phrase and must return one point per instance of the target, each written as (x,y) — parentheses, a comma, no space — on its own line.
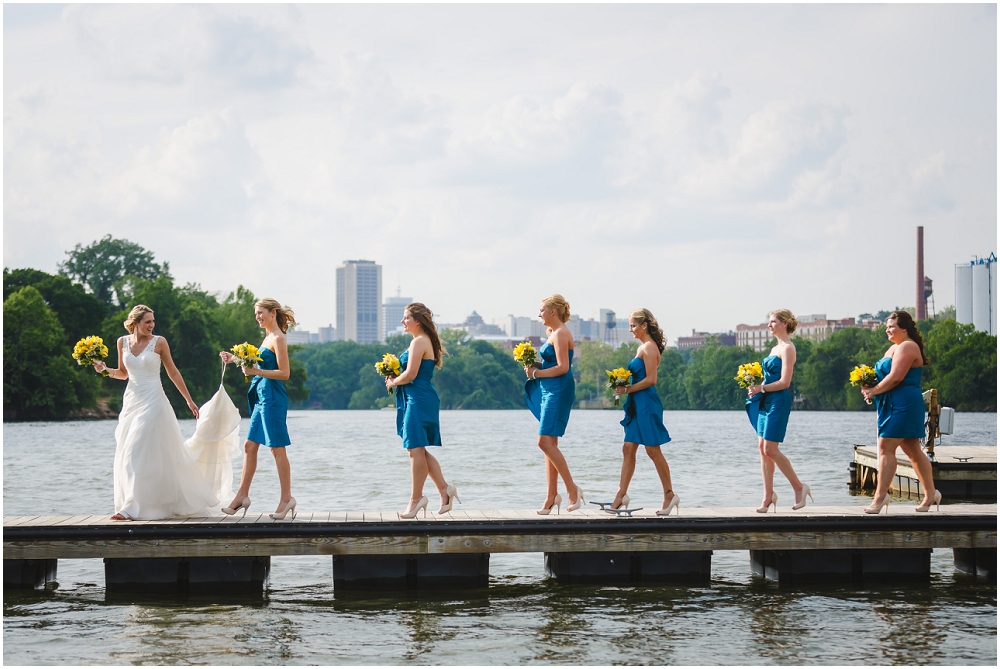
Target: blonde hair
(786,317)
(285,316)
(423,315)
(641,316)
(138,312)
(559,303)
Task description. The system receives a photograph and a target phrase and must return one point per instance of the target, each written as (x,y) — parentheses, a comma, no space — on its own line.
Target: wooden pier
(965,472)
(377,549)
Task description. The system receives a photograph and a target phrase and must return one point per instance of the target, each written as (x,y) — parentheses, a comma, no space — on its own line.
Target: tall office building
(392,313)
(359,301)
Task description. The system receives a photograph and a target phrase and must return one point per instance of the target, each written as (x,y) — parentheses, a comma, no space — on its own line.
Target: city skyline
(624,156)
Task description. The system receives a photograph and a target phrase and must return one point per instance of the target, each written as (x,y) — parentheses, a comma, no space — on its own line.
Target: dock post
(411,572)
(196,575)
(805,566)
(29,574)
(630,567)
(977,561)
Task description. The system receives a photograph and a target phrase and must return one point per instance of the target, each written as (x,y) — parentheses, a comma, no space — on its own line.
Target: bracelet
(762,391)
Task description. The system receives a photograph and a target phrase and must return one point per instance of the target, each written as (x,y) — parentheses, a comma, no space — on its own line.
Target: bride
(157,474)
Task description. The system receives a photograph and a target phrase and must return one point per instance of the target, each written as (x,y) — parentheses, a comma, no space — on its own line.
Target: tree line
(45,314)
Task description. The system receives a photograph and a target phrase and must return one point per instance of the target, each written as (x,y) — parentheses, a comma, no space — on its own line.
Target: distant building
(477,327)
(297,337)
(329,333)
(522,327)
(811,326)
(697,340)
(392,314)
(359,301)
(976,294)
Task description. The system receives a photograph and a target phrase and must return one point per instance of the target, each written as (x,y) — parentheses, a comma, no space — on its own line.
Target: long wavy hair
(425,317)
(641,316)
(905,321)
(285,316)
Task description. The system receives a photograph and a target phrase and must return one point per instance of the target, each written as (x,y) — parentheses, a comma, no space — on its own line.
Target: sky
(709,163)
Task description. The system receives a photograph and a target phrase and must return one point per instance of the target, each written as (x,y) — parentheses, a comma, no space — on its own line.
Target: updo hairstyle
(559,303)
(423,315)
(285,316)
(786,317)
(641,316)
(138,312)
(905,321)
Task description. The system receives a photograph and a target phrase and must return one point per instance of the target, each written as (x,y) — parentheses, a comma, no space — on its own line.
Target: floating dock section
(963,472)
(379,550)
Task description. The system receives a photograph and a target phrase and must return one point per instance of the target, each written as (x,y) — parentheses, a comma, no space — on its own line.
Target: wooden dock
(376,546)
(965,472)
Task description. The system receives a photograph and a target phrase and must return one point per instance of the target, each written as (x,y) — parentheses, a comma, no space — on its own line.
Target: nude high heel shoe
(805,492)
(452,493)
(675,503)
(555,505)
(412,513)
(936,501)
(774,502)
(245,505)
(579,502)
(874,509)
(290,506)
(624,504)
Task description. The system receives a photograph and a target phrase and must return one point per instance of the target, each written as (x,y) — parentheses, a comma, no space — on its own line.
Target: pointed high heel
(412,513)
(624,503)
(555,505)
(579,502)
(805,492)
(774,502)
(231,511)
(452,493)
(290,506)
(874,509)
(675,503)
(936,501)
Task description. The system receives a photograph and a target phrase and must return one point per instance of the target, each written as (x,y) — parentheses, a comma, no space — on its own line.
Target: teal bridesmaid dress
(417,407)
(643,420)
(268,403)
(551,399)
(901,411)
(768,412)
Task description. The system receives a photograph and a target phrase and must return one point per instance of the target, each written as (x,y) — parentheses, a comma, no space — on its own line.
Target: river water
(344,460)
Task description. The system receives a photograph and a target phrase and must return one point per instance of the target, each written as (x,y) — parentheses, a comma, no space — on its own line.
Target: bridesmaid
(768,407)
(550,392)
(268,403)
(643,420)
(417,408)
(900,404)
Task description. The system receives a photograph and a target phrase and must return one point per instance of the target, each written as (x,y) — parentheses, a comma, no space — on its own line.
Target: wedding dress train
(157,473)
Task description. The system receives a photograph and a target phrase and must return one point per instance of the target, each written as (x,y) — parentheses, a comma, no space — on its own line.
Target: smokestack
(921,300)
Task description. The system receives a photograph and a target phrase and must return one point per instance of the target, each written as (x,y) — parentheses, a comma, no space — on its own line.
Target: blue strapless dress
(417,407)
(643,420)
(551,399)
(268,403)
(768,412)
(901,411)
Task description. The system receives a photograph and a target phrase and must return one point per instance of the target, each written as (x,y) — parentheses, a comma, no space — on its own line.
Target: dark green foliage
(105,266)
(40,379)
(822,376)
(709,378)
(480,375)
(963,365)
(79,312)
(670,380)
(591,359)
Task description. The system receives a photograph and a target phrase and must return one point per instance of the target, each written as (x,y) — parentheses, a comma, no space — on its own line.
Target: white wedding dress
(158,474)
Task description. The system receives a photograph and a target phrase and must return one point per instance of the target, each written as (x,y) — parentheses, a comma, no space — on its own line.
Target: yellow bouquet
(750,374)
(863,375)
(388,366)
(524,354)
(89,350)
(247,355)
(618,378)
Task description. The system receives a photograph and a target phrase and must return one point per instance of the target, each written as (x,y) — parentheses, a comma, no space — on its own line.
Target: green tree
(591,359)
(670,380)
(104,266)
(963,366)
(79,312)
(709,377)
(823,376)
(479,375)
(40,379)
